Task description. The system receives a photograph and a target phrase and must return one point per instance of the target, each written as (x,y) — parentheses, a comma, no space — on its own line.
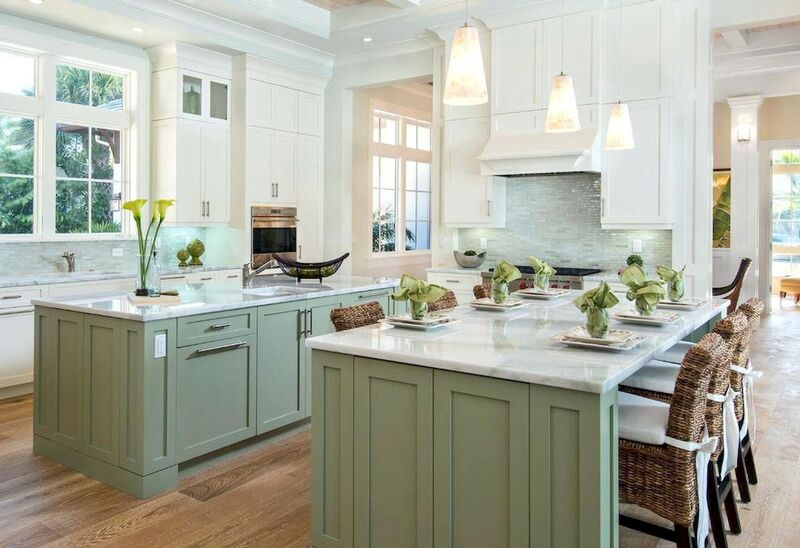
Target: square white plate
(428,319)
(489,304)
(615,336)
(419,326)
(659,317)
(686,304)
(545,294)
(623,345)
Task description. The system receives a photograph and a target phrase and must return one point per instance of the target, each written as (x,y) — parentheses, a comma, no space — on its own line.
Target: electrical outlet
(160,345)
(117,252)
(636,246)
(484,243)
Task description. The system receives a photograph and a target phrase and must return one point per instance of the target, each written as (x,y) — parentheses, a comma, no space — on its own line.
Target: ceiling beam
(404,3)
(736,39)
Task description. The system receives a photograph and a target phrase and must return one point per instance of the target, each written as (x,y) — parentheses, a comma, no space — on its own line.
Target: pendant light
(562,112)
(466,79)
(619,135)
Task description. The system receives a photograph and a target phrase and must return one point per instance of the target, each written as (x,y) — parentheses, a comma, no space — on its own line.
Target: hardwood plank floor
(262,498)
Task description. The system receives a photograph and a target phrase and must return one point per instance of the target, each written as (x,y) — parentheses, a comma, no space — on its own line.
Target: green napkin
(601,297)
(418,291)
(541,267)
(595,304)
(505,272)
(674,280)
(645,293)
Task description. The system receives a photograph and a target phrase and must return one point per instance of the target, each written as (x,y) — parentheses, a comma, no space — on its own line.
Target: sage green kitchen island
(134,395)
(486,433)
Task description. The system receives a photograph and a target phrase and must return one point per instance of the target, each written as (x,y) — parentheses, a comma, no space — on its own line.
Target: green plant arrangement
(543,272)
(674,280)
(645,294)
(419,292)
(503,274)
(470,253)
(595,304)
(196,248)
(146,244)
(182,255)
(635,260)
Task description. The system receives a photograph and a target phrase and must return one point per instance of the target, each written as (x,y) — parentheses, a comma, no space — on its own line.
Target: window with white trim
(63,158)
(400,151)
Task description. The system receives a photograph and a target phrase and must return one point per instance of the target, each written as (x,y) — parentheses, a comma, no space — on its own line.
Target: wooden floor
(263,498)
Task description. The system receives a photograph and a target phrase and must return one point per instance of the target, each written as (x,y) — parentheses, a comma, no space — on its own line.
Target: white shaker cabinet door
(259,103)
(309,168)
(635,182)
(258,165)
(579,56)
(216,174)
(309,114)
(284,108)
(189,174)
(16,349)
(517,80)
(284,166)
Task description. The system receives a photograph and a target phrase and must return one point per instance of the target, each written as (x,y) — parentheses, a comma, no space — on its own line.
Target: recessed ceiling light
(137,29)
(37,2)
(367,39)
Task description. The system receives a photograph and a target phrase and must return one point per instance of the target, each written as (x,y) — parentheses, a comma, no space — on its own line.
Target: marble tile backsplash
(29,257)
(557,218)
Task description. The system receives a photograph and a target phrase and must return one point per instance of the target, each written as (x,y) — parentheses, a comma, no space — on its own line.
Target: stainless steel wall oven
(274,231)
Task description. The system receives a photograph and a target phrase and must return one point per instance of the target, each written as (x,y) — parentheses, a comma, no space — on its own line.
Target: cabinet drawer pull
(219,326)
(173,278)
(373,296)
(206,279)
(11,297)
(220,348)
(232,276)
(452,281)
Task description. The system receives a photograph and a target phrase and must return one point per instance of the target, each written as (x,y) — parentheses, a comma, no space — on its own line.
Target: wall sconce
(743,129)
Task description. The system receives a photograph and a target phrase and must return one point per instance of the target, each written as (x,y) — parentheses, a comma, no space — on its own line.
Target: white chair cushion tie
(750,376)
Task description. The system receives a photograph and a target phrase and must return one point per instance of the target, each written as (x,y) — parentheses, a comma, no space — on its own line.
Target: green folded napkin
(505,272)
(674,280)
(601,297)
(645,293)
(541,267)
(418,291)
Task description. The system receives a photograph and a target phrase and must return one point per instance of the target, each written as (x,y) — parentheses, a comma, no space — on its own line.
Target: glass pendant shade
(466,79)
(562,112)
(620,132)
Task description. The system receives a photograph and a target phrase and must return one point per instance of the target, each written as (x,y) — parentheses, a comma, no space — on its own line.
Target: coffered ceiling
(336,4)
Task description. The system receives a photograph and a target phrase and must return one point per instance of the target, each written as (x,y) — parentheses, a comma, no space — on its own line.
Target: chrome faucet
(248,272)
(70,257)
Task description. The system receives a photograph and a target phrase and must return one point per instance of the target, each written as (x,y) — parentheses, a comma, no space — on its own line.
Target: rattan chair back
(482,291)
(351,317)
(445,302)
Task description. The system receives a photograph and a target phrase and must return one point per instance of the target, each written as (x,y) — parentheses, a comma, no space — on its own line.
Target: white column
(744,196)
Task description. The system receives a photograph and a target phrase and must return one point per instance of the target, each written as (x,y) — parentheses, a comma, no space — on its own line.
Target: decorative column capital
(746,101)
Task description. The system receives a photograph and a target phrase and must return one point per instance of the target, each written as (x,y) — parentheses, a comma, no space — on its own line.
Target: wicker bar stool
(664,449)
(657,381)
(482,291)
(351,317)
(742,377)
(445,302)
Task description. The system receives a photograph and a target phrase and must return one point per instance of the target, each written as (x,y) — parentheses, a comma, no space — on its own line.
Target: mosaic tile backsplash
(41,257)
(557,218)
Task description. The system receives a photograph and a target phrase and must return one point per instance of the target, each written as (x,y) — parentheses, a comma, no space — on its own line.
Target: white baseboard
(16,391)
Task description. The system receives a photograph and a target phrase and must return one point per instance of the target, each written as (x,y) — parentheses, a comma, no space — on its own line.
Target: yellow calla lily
(135,207)
(161,207)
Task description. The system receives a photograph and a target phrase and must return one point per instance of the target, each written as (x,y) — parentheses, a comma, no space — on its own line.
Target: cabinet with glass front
(182,93)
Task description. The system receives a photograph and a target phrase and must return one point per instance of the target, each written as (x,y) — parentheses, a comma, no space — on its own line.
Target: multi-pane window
(88,179)
(401,183)
(17,168)
(82,180)
(786,198)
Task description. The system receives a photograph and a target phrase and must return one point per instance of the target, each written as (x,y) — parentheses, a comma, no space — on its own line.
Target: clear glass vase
(142,289)
(643,307)
(418,310)
(154,276)
(499,292)
(542,281)
(597,323)
(675,291)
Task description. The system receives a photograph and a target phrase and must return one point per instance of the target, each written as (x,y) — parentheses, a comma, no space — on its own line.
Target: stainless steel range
(564,278)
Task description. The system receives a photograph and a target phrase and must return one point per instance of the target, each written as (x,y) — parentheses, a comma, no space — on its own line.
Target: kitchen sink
(280,290)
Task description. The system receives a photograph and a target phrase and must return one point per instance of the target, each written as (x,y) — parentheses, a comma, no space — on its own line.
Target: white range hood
(535,153)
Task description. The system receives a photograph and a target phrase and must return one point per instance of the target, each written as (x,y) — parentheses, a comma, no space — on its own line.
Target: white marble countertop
(48,278)
(454,270)
(517,345)
(217,297)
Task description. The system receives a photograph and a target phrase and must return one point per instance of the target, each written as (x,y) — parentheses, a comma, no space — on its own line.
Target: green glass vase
(597,323)
(499,292)
(418,310)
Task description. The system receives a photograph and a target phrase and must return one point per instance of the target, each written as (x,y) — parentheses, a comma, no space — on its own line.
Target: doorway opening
(785,219)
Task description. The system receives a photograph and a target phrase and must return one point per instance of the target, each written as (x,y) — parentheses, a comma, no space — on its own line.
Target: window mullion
(47,147)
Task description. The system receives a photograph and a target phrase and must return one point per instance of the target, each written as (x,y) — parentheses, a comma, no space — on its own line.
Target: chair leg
(749,461)
(742,483)
(685,539)
(732,511)
(715,507)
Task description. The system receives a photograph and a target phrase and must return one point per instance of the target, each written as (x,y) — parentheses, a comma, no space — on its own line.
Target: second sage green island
(486,433)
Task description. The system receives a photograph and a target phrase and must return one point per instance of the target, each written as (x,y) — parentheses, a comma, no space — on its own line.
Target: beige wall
(420,101)
(722,139)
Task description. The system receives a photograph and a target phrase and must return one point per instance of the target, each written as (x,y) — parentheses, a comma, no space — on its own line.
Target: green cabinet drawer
(213,327)
(382,296)
(216,395)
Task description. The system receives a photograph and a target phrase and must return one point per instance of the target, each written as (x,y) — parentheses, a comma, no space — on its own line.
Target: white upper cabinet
(284,108)
(190,94)
(258,160)
(636,183)
(309,198)
(644,55)
(578,56)
(309,114)
(517,77)
(216,186)
(284,168)
(259,103)
(469,199)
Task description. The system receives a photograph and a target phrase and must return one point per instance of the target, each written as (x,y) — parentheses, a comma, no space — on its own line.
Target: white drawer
(456,282)
(201,278)
(230,276)
(16,297)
